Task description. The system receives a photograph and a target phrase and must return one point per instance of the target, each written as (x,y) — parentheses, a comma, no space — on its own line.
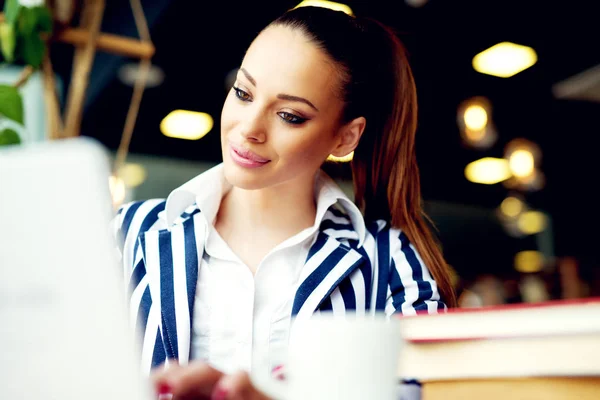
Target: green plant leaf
(27,21)
(9,136)
(32,49)
(11,104)
(11,11)
(44,19)
(8,41)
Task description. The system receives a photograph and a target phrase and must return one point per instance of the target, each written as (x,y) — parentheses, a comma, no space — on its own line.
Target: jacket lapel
(329,261)
(172,259)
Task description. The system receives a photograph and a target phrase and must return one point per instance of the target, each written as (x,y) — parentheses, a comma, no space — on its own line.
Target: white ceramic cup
(350,358)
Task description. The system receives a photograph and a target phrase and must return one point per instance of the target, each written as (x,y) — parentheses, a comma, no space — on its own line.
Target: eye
(240,94)
(291,118)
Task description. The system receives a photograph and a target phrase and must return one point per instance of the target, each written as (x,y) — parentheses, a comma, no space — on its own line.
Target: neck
(285,209)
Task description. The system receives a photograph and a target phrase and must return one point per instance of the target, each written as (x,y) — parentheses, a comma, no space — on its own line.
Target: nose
(253,126)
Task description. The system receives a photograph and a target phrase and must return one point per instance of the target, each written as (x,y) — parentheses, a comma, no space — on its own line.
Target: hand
(200,381)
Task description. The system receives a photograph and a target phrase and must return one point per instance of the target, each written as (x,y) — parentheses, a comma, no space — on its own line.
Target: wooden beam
(91,18)
(53,117)
(105,42)
(108,43)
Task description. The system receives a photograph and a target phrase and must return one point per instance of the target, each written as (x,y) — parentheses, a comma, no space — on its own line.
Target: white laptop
(64,329)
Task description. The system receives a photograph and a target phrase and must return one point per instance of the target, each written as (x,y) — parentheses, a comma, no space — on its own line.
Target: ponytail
(377,83)
(386,175)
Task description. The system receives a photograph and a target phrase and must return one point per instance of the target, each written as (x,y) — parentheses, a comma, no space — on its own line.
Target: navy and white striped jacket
(351,267)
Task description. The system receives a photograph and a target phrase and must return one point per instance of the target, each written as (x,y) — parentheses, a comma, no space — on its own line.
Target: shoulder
(394,252)
(338,223)
(384,235)
(411,287)
(393,243)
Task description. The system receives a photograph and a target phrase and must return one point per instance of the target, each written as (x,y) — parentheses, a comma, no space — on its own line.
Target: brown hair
(378,84)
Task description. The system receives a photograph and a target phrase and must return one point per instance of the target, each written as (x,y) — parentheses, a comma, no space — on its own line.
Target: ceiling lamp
(184,124)
(529,261)
(521,163)
(133,175)
(512,207)
(475,123)
(346,158)
(509,213)
(488,170)
(326,4)
(504,59)
(523,158)
(532,222)
(475,117)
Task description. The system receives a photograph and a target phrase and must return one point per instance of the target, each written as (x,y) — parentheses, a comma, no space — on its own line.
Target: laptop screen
(65,330)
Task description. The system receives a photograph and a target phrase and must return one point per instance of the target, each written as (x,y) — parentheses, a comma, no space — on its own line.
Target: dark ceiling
(199,42)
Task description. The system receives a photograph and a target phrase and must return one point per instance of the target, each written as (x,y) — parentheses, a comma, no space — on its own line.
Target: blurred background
(506,155)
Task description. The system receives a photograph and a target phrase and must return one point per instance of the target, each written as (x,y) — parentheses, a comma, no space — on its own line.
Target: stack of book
(547,350)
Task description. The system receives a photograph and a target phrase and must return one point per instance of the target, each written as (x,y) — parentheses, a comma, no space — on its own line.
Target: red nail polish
(277,368)
(219,394)
(164,388)
(278,373)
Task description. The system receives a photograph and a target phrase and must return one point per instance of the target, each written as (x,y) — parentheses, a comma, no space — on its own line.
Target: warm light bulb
(511,207)
(521,163)
(184,124)
(504,59)
(475,122)
(532,222)
(326,4)
(488,170)
(346,158)
(529,261)
(475,117)
(132,175)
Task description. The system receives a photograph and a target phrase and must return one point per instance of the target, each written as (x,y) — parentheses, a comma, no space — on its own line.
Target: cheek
(312,149)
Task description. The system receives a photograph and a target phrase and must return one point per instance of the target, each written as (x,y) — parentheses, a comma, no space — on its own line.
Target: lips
(247,157)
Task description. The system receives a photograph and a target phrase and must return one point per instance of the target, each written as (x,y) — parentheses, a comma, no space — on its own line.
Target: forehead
(282,59)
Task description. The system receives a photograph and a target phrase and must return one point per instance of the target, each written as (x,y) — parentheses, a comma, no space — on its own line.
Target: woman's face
(280,119)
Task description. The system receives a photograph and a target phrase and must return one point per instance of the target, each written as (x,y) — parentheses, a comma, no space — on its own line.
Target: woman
(220,268)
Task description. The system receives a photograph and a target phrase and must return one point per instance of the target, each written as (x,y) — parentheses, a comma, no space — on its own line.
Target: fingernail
(164,388)
(278,373)
(277,368)
(280,377)
(219,394)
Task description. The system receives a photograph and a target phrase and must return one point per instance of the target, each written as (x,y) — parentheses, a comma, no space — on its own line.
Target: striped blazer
(381,272)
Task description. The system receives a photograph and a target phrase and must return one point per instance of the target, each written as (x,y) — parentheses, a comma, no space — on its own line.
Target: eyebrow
(281,96)
(289,97)
(248,76)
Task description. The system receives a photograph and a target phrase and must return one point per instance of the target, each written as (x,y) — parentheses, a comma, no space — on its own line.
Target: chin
(248,179)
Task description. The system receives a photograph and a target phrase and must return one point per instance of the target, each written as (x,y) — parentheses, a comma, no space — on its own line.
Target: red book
(555,338)
(558,317)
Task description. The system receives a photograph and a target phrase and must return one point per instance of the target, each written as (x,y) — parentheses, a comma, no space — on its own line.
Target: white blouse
(241,321)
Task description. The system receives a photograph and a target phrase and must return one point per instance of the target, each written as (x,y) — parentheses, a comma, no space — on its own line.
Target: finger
(237,386)
(196,380)
(232,387)
(278,373)
(160,375)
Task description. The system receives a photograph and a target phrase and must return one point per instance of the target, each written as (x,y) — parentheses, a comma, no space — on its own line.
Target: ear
(349,135)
